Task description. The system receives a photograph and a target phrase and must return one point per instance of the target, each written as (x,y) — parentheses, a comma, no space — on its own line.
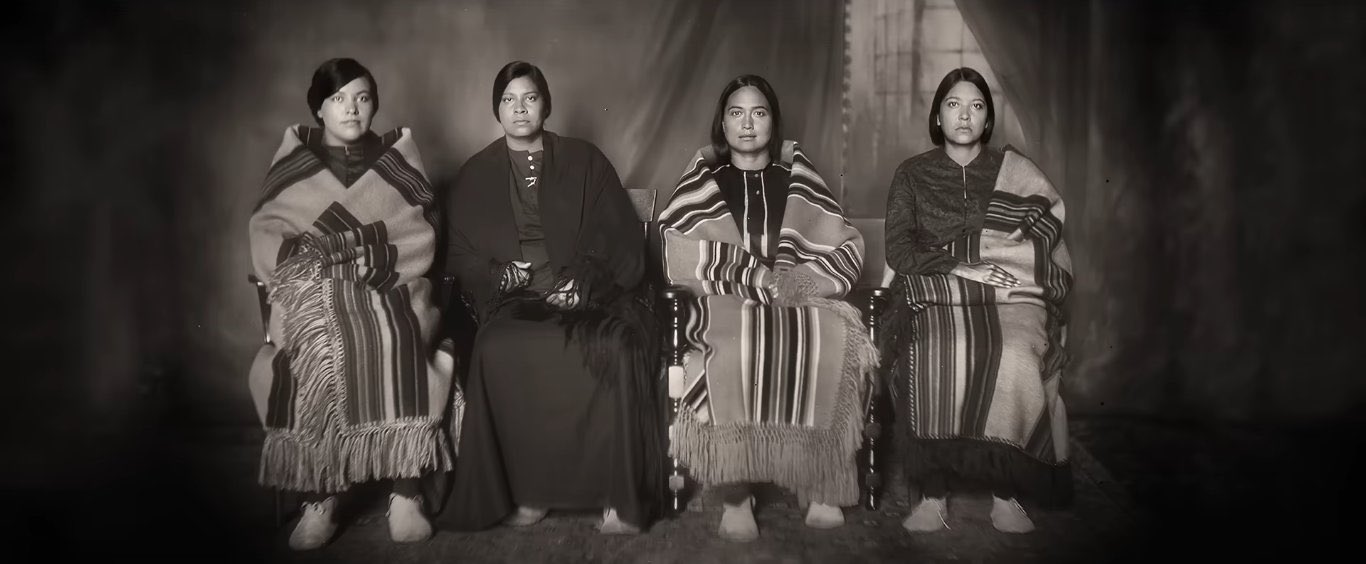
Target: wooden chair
(670,306)
(870,296)
(263,302)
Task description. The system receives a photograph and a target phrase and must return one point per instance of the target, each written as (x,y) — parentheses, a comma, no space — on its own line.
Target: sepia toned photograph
(684,281)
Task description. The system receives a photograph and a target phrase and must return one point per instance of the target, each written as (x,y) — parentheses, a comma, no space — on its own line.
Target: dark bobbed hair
(331,76)
(513,71)
(718,136)
(955,76)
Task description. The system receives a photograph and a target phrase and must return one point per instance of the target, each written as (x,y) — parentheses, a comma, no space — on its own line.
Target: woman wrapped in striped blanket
(773,395)
(974,333)
(343,235)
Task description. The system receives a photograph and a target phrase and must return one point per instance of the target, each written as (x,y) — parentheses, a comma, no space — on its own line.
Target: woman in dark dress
(974,334)
(547,250)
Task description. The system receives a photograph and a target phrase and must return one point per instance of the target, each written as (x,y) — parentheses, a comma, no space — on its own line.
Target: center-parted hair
(513,71)
(955,76)
(331,76)
(718,135)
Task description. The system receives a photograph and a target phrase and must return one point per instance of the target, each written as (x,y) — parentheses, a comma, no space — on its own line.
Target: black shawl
(592,234)
(591,229)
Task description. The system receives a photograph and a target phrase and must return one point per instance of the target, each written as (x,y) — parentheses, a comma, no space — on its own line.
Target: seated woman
(974,334)
(547,248)
(343,235)
(753,231)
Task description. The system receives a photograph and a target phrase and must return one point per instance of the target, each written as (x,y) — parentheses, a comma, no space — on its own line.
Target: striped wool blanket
(775,392)
(356,388)
(981,363)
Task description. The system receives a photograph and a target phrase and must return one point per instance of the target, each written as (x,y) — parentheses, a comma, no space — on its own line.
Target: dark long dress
(541,427)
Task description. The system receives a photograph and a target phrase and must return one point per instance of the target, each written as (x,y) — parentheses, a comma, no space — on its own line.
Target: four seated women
(561,405)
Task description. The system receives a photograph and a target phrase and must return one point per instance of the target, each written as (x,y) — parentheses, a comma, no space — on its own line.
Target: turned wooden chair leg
(676,346)
(678,480)
(872,479)
(871,489)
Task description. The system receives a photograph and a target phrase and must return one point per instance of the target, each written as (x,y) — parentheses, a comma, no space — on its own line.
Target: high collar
(977,160)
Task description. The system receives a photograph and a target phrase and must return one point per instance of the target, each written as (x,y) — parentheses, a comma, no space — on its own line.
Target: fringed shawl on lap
(355,390)
(776,394)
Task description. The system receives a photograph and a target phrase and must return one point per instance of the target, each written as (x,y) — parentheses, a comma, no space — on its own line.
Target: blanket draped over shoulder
(356,388)
(776,394)
(980,366)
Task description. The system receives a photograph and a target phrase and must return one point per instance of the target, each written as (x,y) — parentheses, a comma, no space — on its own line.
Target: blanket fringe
(817,464)
(298,287)
(859,344)
(406,449)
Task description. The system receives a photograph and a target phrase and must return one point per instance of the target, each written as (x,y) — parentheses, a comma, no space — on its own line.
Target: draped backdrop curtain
(1041,53)
(1202,227)
(1037,50)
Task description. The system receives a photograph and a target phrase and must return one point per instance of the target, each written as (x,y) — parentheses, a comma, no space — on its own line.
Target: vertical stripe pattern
(976,360)
(354,394)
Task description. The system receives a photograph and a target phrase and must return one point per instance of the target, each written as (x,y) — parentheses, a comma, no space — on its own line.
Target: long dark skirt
(541,430)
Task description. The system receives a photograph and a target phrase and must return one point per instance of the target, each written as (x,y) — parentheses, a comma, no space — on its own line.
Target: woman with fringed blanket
(974,332)
(775,393)
(343,236)
(560,405)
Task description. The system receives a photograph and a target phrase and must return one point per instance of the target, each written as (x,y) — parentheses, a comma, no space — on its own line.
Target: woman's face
(963,114)
(748,124)
(521,108)
(346,114)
